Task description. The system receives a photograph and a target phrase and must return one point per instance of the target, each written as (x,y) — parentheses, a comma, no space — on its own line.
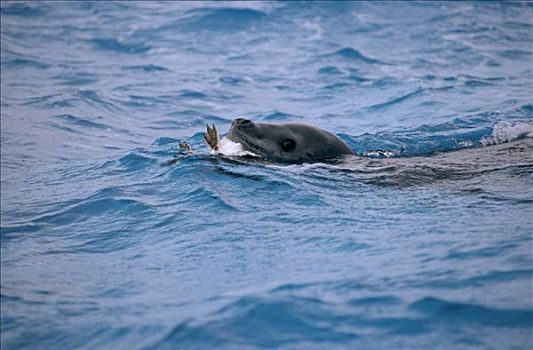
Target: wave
(278,116)
(25,63)
(284,320)
(460,133)
(99,204)
(21,10)
(82,122)
(353,55)
(506,132)
(147,68)
(120,46)
(53,101)
(395,101)
(193,94)
(94,99)
(330,70)
(275,323)
(443,311)
(393,248)
(222,19)
(76,79)
(233,81)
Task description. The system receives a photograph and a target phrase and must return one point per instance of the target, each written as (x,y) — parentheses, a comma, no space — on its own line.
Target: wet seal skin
(287,142)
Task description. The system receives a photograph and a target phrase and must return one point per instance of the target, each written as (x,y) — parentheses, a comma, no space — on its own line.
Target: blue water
(114,238)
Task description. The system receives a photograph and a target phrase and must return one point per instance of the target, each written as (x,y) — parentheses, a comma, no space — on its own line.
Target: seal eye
(288,145)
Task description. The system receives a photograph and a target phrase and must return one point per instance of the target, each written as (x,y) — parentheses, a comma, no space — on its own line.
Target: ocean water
(112,237)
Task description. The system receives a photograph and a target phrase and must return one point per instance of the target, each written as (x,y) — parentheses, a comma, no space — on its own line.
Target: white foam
(505,132)
(381,154)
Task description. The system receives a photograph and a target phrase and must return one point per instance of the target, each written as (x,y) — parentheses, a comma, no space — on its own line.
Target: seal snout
(238,128)
(241,122)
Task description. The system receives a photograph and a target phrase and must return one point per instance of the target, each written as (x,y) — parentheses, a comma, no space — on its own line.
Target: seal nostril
(242,121)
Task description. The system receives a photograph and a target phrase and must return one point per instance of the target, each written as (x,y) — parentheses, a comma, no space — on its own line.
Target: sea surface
(112,237)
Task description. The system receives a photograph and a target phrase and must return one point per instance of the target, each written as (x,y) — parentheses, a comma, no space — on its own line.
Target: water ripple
(355,55)
(222,19)
(445,311)
(112,236)
(116,45)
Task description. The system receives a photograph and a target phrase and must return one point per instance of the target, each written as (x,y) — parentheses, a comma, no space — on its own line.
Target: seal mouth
(236,135)
(247,145)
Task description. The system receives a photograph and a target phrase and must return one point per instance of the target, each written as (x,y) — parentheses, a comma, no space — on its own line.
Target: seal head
(287,143)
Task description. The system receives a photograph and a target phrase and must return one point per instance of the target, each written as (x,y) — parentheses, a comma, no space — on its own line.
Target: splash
(505,132)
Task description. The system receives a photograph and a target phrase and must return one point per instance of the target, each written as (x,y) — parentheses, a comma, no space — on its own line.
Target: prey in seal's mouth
(211,137)
(224,146)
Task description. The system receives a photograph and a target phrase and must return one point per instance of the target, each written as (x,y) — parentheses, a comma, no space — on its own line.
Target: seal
(287,142)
